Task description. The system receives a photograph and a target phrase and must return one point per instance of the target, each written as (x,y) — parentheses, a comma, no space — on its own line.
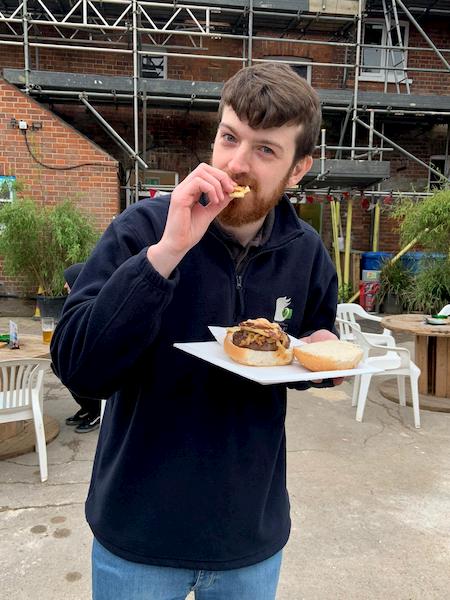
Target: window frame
(163,55)
(380,77)
(440,157)
(292,61)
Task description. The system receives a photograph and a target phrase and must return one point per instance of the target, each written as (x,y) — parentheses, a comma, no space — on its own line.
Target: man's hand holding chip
(188,219)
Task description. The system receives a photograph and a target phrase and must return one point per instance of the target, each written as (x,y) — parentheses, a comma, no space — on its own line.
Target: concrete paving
(370,504)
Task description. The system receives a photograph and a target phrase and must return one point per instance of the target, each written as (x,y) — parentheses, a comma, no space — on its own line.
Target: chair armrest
(404,353)
(387,337)
(398,349)
(372,317)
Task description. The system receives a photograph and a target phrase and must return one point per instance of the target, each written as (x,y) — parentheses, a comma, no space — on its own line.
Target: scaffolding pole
(26,46)
(422,32)
(191,34)
(135,9)
(144,125)
(401,149)
(113,132)
(372,125)
(343,130)
(446,162)
(250,34)
(357,66)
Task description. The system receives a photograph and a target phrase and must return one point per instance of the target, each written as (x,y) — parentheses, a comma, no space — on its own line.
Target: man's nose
(239,161)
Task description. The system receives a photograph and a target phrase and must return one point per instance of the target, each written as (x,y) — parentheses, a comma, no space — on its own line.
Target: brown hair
(271,95)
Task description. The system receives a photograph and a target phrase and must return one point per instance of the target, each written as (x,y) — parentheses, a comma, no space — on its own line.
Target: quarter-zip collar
(240,253)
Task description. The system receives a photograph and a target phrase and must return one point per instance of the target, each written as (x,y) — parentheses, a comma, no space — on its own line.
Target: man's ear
(299,171)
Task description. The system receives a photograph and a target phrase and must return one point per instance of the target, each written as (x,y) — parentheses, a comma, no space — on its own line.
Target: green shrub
(418,215)
(395,280)
(428,220)
(431,288)
(39,242)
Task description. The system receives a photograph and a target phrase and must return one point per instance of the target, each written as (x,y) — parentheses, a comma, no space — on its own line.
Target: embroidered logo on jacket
(282,310)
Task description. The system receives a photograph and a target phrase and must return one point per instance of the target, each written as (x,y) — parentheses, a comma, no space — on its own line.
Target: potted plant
(38,242)
(428,220)
(395,281)
(430,290)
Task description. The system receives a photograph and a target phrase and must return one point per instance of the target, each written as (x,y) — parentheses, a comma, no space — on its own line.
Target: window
(437,162)
(154,67)
(7,188)
(373,59)
(302,70)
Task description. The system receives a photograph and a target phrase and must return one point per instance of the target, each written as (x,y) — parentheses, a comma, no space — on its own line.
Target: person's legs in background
(88,417)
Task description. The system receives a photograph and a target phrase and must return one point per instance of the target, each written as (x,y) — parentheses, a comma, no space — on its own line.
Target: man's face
(259,158)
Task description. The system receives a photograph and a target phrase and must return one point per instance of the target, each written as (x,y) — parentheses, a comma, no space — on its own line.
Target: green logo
(287,313)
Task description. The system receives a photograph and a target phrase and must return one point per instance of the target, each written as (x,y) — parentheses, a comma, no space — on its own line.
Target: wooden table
(432,351)
(18,437)
(31,346)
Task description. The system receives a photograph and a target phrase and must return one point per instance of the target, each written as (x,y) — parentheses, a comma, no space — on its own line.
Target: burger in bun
(329,355)
(240,191)
(258,343)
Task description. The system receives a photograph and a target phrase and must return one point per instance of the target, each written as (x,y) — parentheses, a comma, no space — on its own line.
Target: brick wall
(93,188)
(219,70)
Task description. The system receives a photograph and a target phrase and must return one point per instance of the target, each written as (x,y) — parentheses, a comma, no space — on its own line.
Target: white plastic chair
(21,398)
(445,310)
(348,312)
(394,361)
(102,409)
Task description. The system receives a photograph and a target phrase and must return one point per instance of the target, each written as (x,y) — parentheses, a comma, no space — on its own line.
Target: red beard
(253,207)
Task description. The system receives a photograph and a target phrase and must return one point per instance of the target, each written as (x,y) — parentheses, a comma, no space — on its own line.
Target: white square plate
(214,353)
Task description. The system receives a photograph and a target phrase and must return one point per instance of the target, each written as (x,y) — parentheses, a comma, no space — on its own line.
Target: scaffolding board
(192,92)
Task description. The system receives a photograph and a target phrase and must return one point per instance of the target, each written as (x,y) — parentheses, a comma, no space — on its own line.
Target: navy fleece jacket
(190,468)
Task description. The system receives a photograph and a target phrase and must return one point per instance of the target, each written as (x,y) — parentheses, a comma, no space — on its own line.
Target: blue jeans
(114,578)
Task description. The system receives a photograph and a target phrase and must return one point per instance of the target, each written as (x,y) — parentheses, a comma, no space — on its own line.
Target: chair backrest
(345,313)
(349,311)
(18,379)
(445,310)
(389,351)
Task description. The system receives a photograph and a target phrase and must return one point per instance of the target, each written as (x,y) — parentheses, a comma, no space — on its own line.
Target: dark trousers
(90,405)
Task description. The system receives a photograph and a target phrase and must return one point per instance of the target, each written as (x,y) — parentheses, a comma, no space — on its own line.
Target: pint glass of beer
(48,326)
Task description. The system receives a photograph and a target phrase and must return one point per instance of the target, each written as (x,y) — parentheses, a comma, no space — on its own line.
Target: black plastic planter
(50,306)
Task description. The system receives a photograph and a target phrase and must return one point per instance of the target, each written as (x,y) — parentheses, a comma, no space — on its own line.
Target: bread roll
(330,355)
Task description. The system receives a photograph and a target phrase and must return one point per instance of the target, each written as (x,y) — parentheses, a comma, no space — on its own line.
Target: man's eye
(266,150)
(228,137)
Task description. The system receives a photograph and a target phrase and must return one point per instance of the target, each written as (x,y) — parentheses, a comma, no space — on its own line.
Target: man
(188,489)
(87,418)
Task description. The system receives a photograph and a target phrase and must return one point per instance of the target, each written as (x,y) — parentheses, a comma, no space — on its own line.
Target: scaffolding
(138,28)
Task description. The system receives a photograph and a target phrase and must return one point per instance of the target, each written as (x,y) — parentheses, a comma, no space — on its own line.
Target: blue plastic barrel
(414,261)
(373,261)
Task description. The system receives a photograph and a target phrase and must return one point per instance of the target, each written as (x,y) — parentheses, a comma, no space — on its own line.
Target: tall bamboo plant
(39,242)
(428,219)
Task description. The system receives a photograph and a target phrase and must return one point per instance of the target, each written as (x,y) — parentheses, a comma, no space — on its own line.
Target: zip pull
(239,308)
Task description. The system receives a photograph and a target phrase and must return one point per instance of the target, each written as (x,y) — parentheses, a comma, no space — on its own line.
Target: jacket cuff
(155,279)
